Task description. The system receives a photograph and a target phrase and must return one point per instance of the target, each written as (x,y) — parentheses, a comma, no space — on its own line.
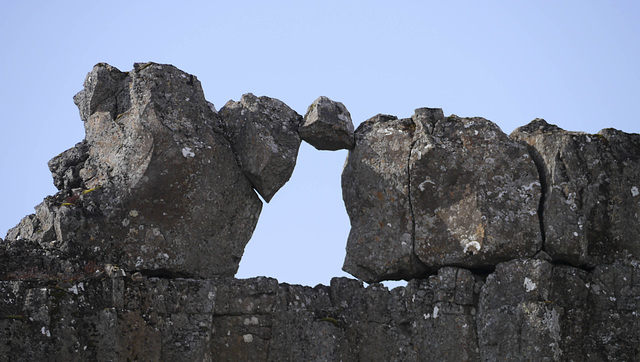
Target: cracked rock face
(475,195)
(154,186)
(432,191)
(264,135)
(591,209)
(375,189)
(327,125)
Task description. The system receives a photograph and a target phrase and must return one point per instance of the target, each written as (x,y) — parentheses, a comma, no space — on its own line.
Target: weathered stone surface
(431,191)
(327,125)
(154,187)
(516,297)
(530,309)
(474,194)
(375,189)
(120,318)
(263,132)
(591,209)
(132,258)
(526,309)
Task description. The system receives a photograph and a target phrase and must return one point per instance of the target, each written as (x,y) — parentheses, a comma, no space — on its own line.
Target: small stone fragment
(327,125)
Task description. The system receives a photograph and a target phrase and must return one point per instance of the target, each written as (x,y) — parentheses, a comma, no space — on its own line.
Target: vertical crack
(414,257)
(538,161)
(423,123)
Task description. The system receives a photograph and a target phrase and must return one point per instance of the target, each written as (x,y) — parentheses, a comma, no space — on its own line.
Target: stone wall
(519,247)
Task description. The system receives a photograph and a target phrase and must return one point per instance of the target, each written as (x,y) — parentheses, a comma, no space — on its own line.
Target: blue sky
(574,63)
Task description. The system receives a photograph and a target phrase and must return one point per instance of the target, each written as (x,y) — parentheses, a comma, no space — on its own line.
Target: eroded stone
(263,132)
(591,209)
(327,125)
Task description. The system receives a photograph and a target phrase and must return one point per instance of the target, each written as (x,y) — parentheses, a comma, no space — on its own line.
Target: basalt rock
(474,194)
(591,212)
(327,125)
(375,189)
(431,191)
(154,186)
(533,310)
(525,309)
(133,258)
(264,135)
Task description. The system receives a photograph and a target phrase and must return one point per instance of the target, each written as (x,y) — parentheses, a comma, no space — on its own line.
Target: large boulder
(327,125)
(474,192)
(154,187)
(431,191)
(264,135)
(591,212)
(375,189)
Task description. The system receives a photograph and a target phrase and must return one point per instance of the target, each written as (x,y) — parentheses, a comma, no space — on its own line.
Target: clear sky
(573,63)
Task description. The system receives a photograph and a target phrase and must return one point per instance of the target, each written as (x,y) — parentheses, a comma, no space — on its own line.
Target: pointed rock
(263,132)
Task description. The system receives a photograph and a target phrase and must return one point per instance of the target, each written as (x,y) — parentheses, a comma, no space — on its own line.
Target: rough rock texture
(431,191)
(527,309)
(153,187)
(327,125)
(132,259)
(533,310)
(375,189)
(474,194)
(264,135)
(591,211)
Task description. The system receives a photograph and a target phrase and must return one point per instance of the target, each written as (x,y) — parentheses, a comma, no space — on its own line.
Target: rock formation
(327,125)
(431,191)
(520,247)
(264,135)
(592,198)
(154,187)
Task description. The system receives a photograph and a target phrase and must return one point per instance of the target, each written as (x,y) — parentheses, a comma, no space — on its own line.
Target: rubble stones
(263,132)
(591,211)
(327,125)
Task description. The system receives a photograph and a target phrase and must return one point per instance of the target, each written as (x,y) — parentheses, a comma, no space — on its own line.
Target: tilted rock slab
(432,191)
(526,309)
(327,125)
(264,135)
(154,187)
(591,209)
